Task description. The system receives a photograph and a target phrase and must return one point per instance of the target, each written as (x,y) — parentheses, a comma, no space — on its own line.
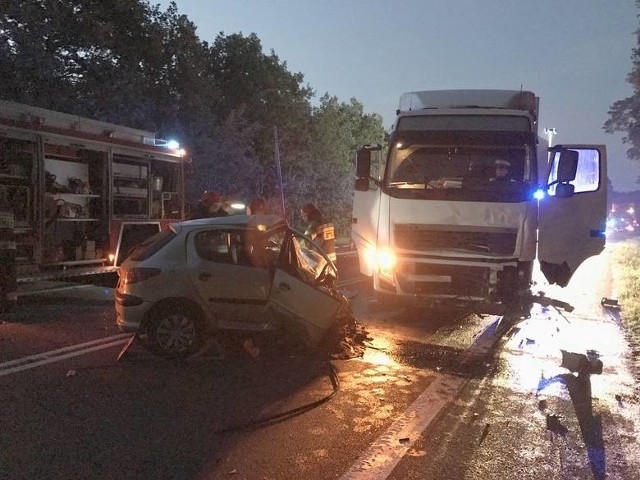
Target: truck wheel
(525,275)
(386,301)
(174,333)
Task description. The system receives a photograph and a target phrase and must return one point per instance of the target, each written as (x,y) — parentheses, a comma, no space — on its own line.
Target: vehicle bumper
(129,318)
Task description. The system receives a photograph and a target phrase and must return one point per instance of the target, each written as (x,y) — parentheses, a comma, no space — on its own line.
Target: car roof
(260,222)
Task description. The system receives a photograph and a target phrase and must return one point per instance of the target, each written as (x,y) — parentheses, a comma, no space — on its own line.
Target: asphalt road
(436,395)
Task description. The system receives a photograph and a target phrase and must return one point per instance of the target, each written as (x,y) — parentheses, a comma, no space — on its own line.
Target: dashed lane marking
(33,361)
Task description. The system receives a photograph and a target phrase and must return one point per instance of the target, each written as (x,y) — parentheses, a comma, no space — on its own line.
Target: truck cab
(469,196)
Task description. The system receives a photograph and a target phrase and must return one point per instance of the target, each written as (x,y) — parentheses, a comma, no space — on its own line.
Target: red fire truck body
(83,192)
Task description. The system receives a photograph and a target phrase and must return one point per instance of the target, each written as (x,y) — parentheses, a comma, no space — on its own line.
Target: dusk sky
(574,54)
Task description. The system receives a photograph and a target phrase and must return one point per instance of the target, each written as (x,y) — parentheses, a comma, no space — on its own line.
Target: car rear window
(151,245)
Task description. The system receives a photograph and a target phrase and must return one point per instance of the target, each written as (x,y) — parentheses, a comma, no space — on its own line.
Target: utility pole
(279,168)
(550,132)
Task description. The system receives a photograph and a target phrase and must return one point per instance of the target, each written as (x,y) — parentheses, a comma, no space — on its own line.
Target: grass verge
(626,281)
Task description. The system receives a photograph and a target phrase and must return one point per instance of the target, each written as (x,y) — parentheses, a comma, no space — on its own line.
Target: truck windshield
(466,171)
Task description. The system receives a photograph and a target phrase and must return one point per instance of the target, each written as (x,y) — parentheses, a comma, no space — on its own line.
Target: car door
(233,291)
(571,226)
(296,298)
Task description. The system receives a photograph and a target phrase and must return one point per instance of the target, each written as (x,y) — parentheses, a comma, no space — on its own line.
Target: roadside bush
(626,277)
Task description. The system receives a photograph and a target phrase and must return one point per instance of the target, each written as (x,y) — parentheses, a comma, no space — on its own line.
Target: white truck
(439,224)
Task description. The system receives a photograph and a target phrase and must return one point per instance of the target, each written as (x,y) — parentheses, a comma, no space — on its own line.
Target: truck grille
(464,280)
(500,241)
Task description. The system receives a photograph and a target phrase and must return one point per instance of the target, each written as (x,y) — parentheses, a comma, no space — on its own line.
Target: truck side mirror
(363,163)
(565,190)
(362,184)
(567,166)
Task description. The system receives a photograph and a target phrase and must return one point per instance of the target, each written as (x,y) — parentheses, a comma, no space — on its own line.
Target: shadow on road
(45,307)
(579,387)
(590,425)
(67,299)
(145,415)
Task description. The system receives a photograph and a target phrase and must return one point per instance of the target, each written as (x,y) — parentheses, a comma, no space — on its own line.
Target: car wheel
(173,333)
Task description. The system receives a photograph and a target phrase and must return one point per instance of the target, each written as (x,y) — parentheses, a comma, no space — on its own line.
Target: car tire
(173,332)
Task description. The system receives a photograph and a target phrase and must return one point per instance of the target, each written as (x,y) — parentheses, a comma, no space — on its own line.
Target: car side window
(214,246)
(256,249)
(242,249)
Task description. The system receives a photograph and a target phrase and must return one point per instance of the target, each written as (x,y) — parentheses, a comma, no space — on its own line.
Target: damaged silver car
(239,273)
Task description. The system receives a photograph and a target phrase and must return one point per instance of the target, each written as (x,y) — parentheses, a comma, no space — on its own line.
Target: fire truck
(83,192)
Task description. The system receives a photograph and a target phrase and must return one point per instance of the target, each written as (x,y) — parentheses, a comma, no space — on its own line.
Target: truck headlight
(385,260)
(381,259)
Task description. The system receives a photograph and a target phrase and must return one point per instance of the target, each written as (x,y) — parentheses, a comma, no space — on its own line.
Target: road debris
(545,301)
(554,425)
(123,352)
(346,339)
(583,364)
(251,348)
(609,302)
(485,432)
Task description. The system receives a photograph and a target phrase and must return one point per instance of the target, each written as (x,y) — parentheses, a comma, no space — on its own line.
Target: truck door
(572,216)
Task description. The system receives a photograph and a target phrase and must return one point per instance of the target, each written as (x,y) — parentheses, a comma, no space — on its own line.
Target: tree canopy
(131,63)
(624,115)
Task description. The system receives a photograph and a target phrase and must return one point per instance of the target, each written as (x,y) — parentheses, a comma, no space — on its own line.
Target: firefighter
(210,205)
(258,206)
(320,230)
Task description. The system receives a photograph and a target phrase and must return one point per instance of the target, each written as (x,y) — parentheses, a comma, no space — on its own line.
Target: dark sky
(574,54)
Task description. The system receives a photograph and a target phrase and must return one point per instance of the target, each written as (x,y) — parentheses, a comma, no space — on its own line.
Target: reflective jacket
(323,234)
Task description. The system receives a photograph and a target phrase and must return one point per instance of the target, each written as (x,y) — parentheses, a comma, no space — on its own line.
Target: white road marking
(379,460)
(385,453)
(32,361)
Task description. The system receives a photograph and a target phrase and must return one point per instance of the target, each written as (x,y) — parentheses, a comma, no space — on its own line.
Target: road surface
(436,395)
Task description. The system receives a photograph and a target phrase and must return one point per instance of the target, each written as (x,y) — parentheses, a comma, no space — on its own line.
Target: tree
(119,61)
(326,173)
(624,115)
(267,94)
(129,63)
(230,166)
